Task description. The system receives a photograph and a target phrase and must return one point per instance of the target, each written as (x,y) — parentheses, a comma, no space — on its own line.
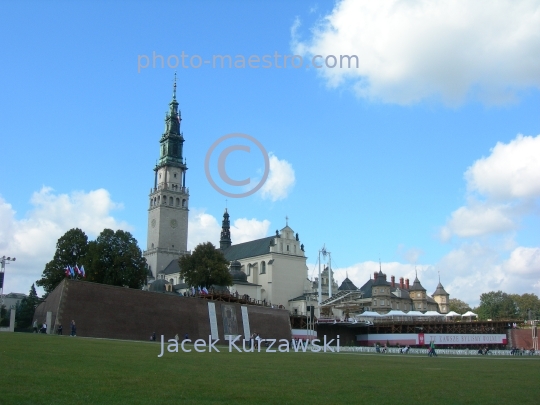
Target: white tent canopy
(369,314)
(469,313)
(452,313)
(414,313)
(395,313)
(432,313)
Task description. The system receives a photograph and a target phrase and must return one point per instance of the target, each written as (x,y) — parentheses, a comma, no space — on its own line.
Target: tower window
(263,268)
(170,201)
(177,202)
(183,202)
(175,175)
(248,270)
(287,248)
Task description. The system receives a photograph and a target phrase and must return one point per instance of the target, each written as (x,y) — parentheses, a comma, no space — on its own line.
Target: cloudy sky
(424,154)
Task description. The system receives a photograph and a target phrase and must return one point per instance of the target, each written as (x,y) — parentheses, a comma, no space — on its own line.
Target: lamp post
(3,262)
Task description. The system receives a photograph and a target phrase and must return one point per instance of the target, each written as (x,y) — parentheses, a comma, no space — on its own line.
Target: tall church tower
(168,203)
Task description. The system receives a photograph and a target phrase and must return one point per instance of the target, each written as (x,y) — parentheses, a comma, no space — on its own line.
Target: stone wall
(105,311)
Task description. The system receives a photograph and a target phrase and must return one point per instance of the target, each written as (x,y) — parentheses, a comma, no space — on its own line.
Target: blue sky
(425,155)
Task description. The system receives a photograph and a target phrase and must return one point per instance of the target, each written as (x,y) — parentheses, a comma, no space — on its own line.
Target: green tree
(115,258)
(496,305)
(25,310)
(459,306)
(526,302)
(71,249)
(205,267)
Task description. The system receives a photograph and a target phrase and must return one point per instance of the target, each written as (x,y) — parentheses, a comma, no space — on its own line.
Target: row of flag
(199,290)
(74,271)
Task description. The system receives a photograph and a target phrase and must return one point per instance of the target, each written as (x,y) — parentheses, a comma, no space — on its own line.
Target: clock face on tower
(174,224)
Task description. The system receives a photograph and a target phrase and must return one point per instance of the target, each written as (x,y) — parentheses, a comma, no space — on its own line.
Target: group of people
(483,351)
(59,328)
(176,337)
(520,352)
(404,350)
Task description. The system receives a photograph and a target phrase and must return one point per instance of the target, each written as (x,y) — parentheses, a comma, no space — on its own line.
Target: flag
(67,271)
(82,271)
(77,269)
(71,272)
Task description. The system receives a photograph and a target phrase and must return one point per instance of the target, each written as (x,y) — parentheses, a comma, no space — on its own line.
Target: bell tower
(169,198)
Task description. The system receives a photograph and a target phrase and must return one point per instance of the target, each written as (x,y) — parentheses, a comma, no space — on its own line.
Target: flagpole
(329,275)
(320,286)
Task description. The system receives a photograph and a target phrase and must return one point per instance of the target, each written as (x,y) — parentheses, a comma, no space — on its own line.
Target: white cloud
(32,240)
(478,219)
(466,272)
(502,190)
(204,227)
(280,180)
(511,170)
(475,268)
(245,230)
(412,50)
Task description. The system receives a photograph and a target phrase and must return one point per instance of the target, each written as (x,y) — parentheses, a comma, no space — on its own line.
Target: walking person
(73,329)
(34,325)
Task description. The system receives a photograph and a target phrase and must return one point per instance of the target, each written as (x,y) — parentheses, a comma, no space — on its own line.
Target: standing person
(432,349)
(44,328)
(177,338)
(34,325)
(73,329)
(60,329)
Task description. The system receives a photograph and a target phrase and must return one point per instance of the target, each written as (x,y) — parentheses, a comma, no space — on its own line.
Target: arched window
(177,201)
(184,202)
(171,281)
(170,201)
(287,248)
(152,245)
(248,270)
(263,268)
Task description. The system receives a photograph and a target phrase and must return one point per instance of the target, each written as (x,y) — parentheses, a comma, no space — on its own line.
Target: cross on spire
(286,221)
(174,87)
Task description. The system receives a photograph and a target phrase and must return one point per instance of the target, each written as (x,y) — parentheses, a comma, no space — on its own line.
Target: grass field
(41,369)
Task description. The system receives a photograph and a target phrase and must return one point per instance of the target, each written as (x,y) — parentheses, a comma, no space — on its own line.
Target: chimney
(375,276)
(393,283)
(407,283)
(401,285)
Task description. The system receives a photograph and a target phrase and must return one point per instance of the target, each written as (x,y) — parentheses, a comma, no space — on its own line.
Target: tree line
(498,305)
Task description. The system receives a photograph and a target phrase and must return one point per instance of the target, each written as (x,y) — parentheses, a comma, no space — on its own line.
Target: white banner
(461,339)
(245,322)
(213,320)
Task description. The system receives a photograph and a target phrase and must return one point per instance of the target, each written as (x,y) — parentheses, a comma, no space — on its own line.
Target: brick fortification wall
(522,338)
(105,311)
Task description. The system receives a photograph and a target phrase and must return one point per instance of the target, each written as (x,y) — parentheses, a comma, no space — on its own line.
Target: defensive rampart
(123,313)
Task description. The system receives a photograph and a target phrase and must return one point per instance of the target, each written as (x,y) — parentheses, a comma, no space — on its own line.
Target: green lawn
(40,369)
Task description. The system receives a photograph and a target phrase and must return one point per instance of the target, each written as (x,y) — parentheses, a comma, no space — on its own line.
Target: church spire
(172,140)
(225,240)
